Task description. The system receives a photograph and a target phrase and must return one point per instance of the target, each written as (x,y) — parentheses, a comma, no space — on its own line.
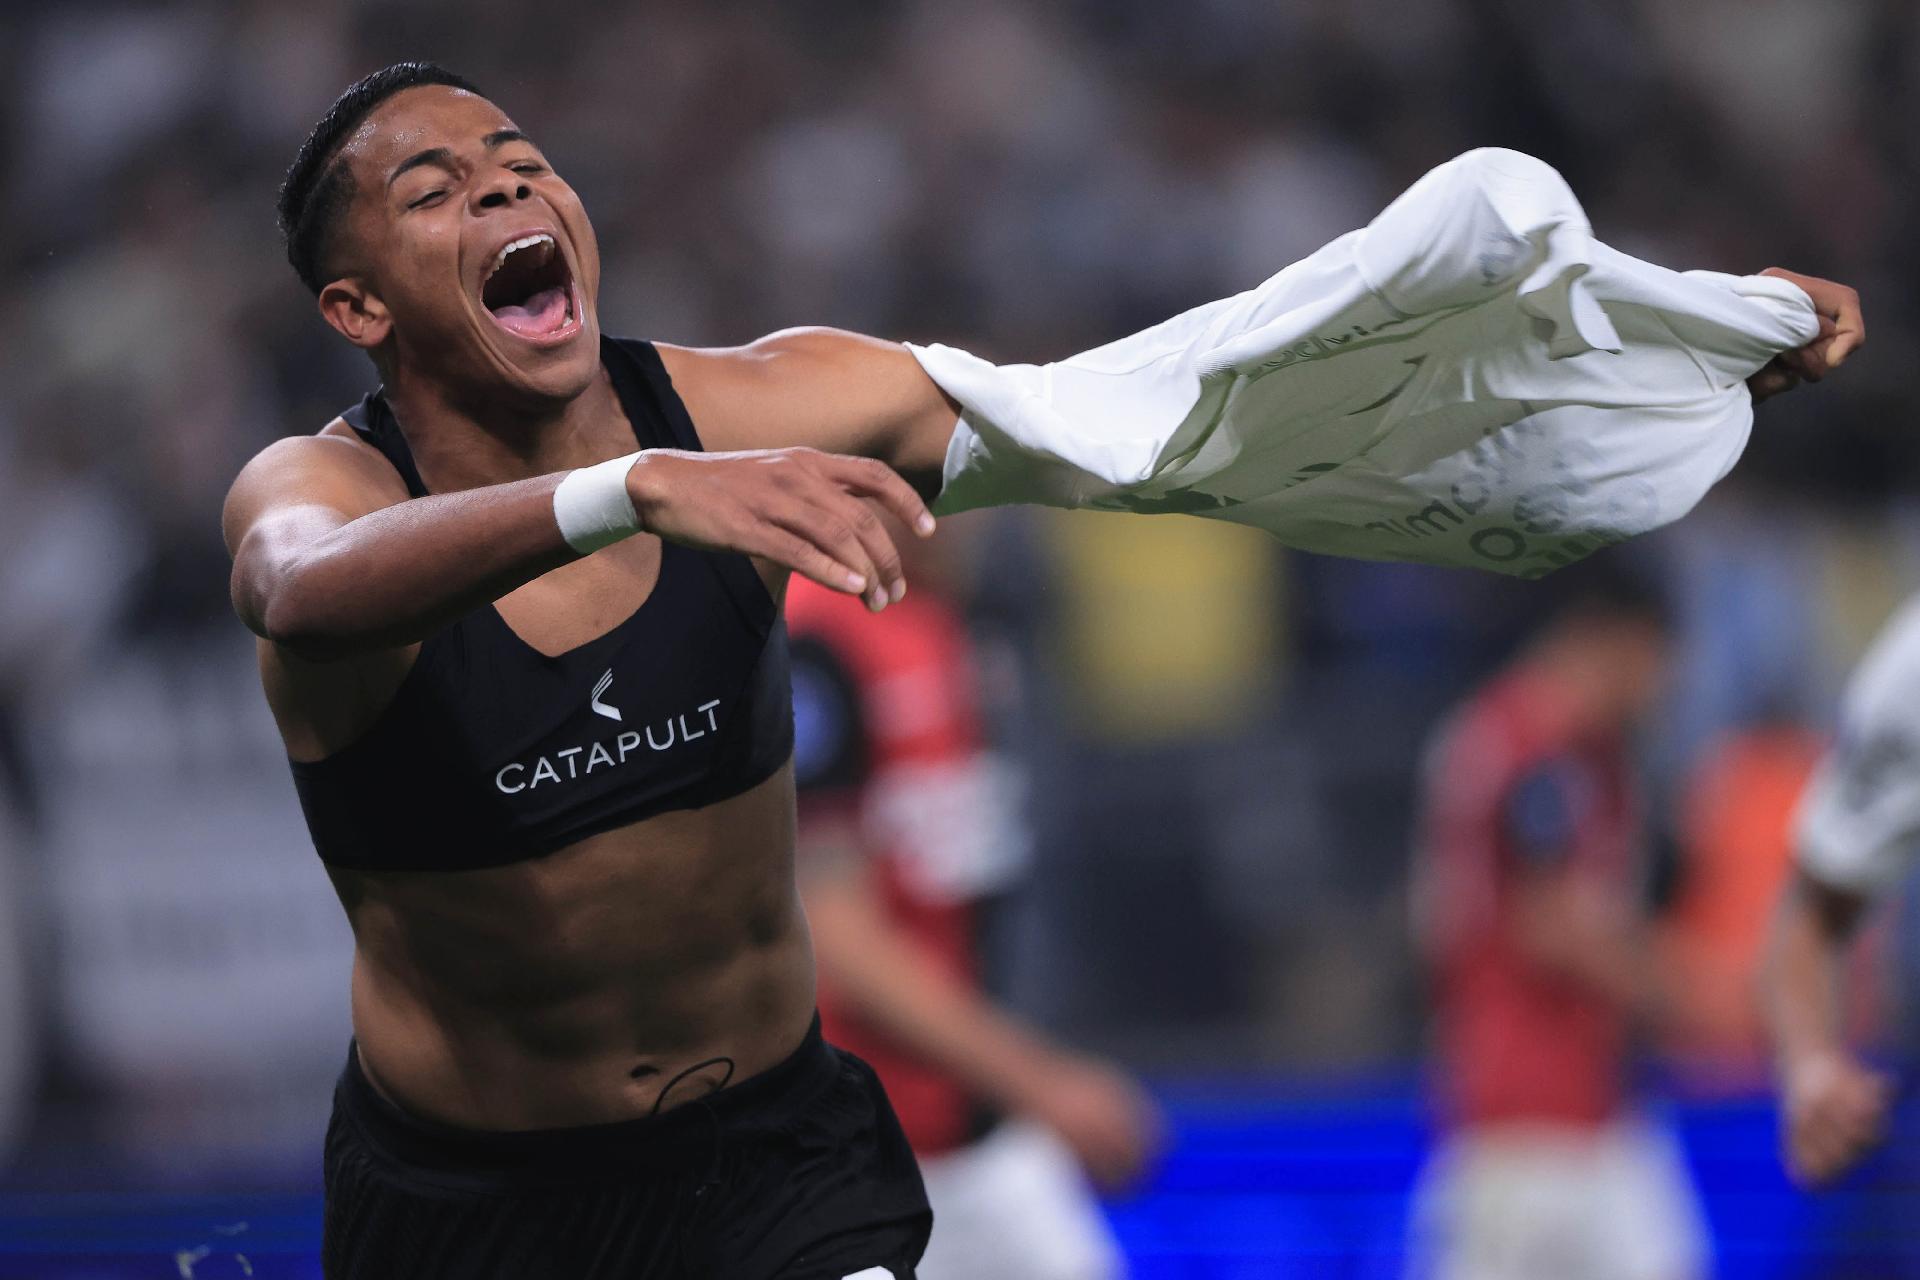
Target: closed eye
(527,166)
(426,199)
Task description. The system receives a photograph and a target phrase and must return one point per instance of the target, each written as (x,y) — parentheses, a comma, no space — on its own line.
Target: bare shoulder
(293,493)
(336,450)
(331,468)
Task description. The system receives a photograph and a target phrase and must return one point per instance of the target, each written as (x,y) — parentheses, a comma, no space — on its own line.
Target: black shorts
(801,1172)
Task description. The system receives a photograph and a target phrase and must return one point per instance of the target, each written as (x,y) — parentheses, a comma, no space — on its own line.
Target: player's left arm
(847,393)
(826,389)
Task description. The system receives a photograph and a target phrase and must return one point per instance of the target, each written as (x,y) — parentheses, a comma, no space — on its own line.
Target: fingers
(1810,361)
(856,493)
(1836,303)
(1776,376)
(858,523)
(871,479)
(850,532)
(819,515)
(803,557)
(1850,324)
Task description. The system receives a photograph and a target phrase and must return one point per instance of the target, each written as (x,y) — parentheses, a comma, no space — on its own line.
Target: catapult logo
(599,707)
(569,763)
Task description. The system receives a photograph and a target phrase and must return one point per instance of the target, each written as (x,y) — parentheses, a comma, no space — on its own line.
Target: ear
(356,312)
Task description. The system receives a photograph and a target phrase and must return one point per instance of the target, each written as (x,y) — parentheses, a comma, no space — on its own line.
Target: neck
(461,439)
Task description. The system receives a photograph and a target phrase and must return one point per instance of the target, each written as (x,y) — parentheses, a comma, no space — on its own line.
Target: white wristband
(592,506)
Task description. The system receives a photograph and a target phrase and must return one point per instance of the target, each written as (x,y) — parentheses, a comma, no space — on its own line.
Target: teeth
(525,242)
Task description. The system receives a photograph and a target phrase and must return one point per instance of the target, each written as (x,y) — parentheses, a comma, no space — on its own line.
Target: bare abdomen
(567,990)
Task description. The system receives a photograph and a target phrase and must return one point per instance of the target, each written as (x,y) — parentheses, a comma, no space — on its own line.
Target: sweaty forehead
(415,120)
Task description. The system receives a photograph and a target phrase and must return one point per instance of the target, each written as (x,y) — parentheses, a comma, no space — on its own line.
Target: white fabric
(1470,380)
(1859,820)
(592,506)
(1015,1206)
(1527,1204)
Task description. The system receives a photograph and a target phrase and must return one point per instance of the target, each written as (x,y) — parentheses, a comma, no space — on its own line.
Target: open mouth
(530,292)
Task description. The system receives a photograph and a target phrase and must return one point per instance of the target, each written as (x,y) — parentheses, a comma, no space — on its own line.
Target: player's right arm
(332,558)
(1833,1105)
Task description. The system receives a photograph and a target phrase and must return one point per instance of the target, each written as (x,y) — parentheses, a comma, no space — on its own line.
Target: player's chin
(556,355)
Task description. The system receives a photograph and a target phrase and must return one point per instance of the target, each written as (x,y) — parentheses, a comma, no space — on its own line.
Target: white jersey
(1860,818)
(1471,380)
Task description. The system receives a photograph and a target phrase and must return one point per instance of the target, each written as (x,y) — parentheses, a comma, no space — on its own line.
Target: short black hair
(317,187)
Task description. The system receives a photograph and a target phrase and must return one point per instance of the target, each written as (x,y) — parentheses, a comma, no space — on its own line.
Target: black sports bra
(492,752)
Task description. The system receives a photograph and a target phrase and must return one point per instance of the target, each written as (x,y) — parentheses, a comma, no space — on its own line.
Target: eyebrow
(443,157)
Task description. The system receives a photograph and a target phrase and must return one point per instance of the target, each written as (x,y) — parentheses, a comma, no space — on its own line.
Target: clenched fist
(1842,331)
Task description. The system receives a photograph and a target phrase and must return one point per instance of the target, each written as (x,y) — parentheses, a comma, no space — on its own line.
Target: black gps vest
(491,752)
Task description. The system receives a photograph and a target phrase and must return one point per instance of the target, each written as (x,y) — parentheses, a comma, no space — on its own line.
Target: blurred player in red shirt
(907,828)
(1528,889)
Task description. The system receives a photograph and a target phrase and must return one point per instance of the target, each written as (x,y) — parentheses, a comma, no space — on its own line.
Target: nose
(503,189)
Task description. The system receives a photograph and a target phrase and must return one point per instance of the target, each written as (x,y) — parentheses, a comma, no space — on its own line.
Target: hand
(816,513)
(1835,1111)
(1842,331)
(1098,1111)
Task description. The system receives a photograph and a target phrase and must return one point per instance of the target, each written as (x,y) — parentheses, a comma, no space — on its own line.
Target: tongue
(544,313)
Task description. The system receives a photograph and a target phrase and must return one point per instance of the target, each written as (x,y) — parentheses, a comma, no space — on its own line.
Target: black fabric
(800,1173)
(492,752)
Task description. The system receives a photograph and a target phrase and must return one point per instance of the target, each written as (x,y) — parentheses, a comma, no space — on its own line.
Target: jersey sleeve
(831,757)
(1859,820)
(1860,817)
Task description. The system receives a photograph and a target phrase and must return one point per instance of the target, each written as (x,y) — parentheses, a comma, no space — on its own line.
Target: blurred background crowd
(1221,739)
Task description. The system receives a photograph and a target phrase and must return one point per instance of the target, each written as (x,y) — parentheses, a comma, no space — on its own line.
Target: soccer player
(908,833)
(1531,834)
(519,626)
(1858,830)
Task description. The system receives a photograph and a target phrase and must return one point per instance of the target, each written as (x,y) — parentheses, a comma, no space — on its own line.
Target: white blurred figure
(1858,832)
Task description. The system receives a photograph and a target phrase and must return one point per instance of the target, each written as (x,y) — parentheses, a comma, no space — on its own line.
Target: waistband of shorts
(687,1131)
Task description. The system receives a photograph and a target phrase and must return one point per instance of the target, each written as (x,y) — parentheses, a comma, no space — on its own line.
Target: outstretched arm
(847,393)
(820,388)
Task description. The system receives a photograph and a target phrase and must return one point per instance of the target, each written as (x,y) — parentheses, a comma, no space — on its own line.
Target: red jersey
(1504,794)
(887,737)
